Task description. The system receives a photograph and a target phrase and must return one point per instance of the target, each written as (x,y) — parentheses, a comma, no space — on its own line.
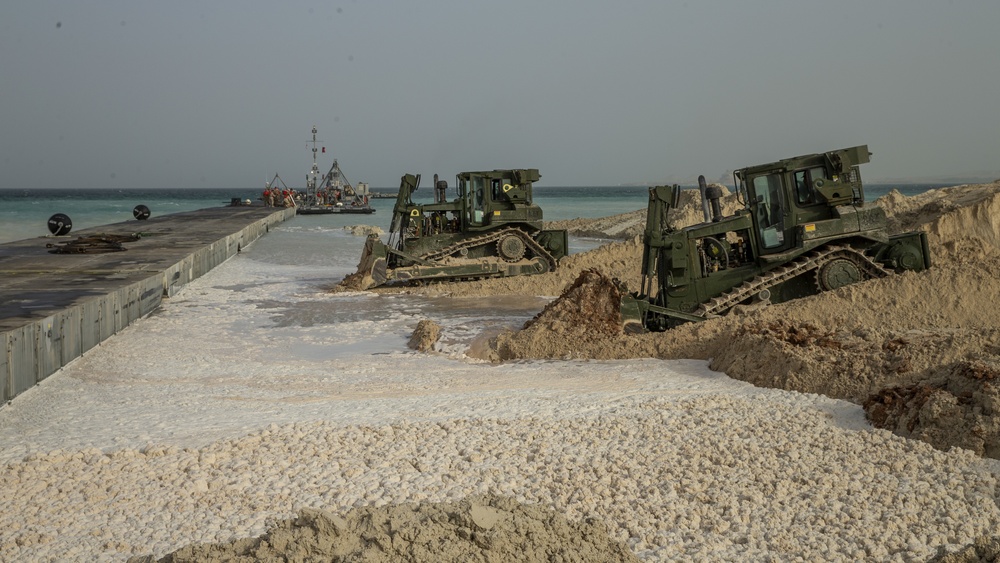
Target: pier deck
(55,307)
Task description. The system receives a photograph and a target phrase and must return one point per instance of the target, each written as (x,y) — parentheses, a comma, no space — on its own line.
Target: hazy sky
(224,94)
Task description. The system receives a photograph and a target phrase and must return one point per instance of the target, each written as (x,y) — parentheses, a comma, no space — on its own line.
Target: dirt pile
(586,322)
(351,282)
(487,528)
(959,406)
(424,336)
(586,316)
(849,363)
(984,550)
(593,296)
(948,215)
(362,277)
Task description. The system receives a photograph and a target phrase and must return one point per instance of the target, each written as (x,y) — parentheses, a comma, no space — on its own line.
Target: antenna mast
(314,173)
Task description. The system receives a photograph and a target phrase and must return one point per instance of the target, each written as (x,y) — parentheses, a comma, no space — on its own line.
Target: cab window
(478,200)
(805,190)
(770,210)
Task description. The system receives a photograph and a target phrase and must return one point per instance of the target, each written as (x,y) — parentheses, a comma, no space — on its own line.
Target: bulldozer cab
(498,196)
(788,196)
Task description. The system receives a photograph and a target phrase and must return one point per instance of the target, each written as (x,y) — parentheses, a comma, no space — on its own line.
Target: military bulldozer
(492,229)
(804,228)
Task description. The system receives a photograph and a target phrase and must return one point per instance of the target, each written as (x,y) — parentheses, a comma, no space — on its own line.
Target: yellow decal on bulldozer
(809,227)
(496,213)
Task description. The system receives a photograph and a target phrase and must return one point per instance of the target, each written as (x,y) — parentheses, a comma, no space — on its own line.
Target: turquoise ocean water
(25,213)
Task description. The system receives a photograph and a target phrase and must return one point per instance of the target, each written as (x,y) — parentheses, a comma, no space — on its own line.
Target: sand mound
(846,364)
(984,550)
(948,214)
(485,528)
(351,282)
(959,407)
(585,322)
(424,336)
(900,332)
(593,297)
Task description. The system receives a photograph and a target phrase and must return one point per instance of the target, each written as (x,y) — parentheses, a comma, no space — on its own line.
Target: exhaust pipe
(710,196)
(714,194)
(703,187)
(440,190)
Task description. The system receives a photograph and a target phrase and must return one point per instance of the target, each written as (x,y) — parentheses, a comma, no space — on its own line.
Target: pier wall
(40,346)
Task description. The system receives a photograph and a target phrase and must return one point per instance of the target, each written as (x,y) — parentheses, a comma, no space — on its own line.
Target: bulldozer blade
(372,267)
(631,315)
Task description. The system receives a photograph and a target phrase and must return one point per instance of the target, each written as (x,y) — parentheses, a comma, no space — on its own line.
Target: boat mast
(314,173)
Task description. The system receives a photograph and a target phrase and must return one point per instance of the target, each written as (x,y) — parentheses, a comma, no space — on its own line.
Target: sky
(181,94)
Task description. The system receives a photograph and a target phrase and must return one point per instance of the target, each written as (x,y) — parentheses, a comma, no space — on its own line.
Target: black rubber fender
(60,224)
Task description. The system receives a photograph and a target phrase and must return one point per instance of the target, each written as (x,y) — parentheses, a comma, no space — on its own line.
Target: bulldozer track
(488,238)
(811,262)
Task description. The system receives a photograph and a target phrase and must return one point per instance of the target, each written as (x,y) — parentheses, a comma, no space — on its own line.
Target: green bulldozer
(804,228)
(492,229)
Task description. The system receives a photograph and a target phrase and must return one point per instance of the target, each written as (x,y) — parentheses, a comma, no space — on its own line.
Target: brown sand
(984,550)
(486,529)
(425,335)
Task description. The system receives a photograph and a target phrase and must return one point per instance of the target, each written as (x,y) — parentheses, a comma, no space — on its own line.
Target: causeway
(55,306)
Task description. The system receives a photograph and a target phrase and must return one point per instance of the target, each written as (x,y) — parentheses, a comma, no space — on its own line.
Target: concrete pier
(55,307)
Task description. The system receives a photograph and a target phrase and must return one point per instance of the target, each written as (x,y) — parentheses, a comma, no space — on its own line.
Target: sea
(25,213)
